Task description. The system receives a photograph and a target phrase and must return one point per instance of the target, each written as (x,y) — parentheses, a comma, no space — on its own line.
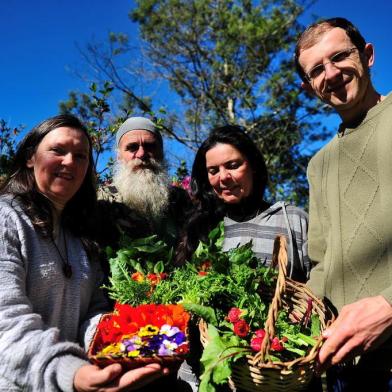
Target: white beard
(145,190)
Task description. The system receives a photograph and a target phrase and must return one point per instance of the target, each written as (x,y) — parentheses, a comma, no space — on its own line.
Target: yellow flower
(148,330)
(112,349)
(134,353)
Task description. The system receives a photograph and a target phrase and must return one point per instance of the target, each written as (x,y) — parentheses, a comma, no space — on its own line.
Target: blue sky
(38,47)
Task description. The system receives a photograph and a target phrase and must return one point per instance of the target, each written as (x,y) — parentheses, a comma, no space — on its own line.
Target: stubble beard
(146,189)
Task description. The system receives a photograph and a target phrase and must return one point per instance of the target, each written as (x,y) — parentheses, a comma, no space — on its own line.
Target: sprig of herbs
(143,255)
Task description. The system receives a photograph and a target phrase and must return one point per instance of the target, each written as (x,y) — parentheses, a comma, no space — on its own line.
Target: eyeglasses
(336,59)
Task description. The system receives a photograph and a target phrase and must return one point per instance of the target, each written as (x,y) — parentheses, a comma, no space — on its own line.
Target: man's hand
(361,326)
(91,378)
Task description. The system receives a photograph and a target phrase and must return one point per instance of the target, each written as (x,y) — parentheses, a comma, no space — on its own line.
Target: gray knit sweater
(45,318)
(262,230)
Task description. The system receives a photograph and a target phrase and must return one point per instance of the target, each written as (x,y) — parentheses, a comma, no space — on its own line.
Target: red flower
(241,328)
(234,315)
(203,273)
(276,344)
(110,332)
(154,279)
(183,349)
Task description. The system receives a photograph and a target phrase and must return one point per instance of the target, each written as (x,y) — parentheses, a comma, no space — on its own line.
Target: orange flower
(180,316)
(205,265)
(137,276)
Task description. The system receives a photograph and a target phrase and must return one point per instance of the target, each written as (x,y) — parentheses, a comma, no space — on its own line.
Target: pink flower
(241,328)
(234,315)
(255,344)
(186,183)
(276,345)
(260,333)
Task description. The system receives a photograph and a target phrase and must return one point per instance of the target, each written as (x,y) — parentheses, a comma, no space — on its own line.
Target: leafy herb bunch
(136,269)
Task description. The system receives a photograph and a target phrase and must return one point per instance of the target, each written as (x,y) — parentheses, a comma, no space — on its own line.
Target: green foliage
(144,255)
(217,358)
(7,147)
(182,171)
(205,312)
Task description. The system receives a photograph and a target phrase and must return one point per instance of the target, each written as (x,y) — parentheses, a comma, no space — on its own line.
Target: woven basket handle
(279,257)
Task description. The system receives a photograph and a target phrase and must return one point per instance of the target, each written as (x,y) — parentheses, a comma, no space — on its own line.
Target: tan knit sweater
(350,224)
(350,219)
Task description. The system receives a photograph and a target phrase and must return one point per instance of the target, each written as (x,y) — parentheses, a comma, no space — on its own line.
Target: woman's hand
(361,326)
(91,378)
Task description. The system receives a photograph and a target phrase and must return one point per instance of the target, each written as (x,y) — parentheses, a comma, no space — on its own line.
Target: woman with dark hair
(50,298)
(229,178)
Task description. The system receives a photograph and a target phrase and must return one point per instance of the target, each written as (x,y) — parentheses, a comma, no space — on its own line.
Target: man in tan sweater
(350,229)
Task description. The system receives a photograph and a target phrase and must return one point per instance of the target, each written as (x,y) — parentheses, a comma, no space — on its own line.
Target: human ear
(307,87)
(30,162)
(369,54)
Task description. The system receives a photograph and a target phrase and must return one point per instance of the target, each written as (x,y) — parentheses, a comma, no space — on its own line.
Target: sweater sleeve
(33,357)
(316,236)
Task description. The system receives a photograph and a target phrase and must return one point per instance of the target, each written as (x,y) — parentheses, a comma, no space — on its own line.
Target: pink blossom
(186,183)
(234,315)
(255,344)
(260,333)
(276,344)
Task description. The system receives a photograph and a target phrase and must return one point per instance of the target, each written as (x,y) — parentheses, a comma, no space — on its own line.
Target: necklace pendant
(67,270)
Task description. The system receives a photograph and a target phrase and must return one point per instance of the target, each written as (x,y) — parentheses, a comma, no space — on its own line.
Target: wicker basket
(96,345)
(255,373)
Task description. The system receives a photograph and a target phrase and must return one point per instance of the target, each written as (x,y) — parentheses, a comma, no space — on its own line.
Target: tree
(7,147)
(229,61)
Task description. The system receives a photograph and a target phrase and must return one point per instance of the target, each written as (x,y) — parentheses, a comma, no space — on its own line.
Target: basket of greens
(260,330)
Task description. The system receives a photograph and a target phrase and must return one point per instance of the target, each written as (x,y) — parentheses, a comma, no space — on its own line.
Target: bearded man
(140,201)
